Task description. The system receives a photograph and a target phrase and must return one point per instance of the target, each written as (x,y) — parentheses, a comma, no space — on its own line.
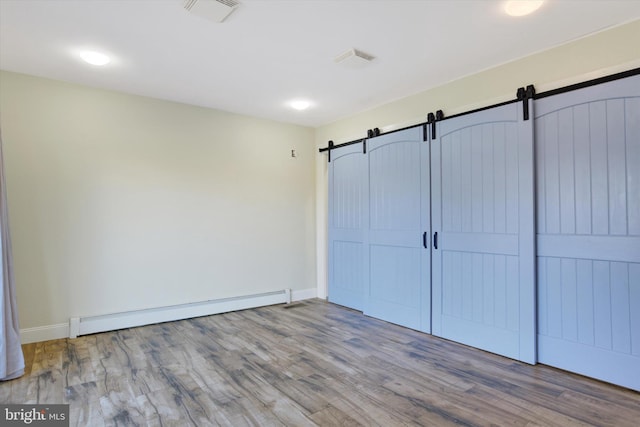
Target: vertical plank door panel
(597,296)
(490,155)
(348,223)
(399,280)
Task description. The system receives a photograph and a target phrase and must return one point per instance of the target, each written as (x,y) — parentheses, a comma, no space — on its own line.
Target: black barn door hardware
(372,133)
(432,119)
(525,95)
(431,123)
(329,150)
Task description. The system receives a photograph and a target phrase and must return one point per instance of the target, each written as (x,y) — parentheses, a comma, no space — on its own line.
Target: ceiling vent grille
(354,58)
(213,10)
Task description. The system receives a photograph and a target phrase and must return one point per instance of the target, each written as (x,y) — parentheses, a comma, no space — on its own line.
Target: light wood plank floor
(313,363)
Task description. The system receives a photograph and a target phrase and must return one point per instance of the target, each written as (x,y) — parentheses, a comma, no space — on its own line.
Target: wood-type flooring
(311,364)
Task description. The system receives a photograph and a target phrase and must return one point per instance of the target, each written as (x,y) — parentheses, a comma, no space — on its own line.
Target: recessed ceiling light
(95,58)
(522,7)
(300,104)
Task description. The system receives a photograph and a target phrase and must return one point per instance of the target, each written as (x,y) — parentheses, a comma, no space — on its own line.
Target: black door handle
(424,239)
(435,240)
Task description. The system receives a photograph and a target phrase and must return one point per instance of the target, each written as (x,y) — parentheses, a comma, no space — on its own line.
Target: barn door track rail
(522,95)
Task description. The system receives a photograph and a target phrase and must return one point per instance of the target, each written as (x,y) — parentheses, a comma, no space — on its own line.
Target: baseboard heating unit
(130,319)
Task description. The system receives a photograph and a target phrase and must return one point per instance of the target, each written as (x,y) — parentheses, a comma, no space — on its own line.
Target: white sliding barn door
(399,260)
(483,214)
(348,224)
(588,213)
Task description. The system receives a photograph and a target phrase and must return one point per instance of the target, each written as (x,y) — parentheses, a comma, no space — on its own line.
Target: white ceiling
(268,52)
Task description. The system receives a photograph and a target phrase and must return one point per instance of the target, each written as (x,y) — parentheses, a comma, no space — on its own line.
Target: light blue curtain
(11,357)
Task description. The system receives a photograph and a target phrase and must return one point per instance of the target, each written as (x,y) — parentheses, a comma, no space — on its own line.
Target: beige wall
(120,202)
(601,54)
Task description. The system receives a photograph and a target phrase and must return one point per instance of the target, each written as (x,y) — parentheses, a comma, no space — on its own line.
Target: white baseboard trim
(109,322)
(44,333)
(131,319)
(303,294)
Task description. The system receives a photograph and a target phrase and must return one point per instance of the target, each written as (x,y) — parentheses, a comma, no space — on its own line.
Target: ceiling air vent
(213,10)
(353,58)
